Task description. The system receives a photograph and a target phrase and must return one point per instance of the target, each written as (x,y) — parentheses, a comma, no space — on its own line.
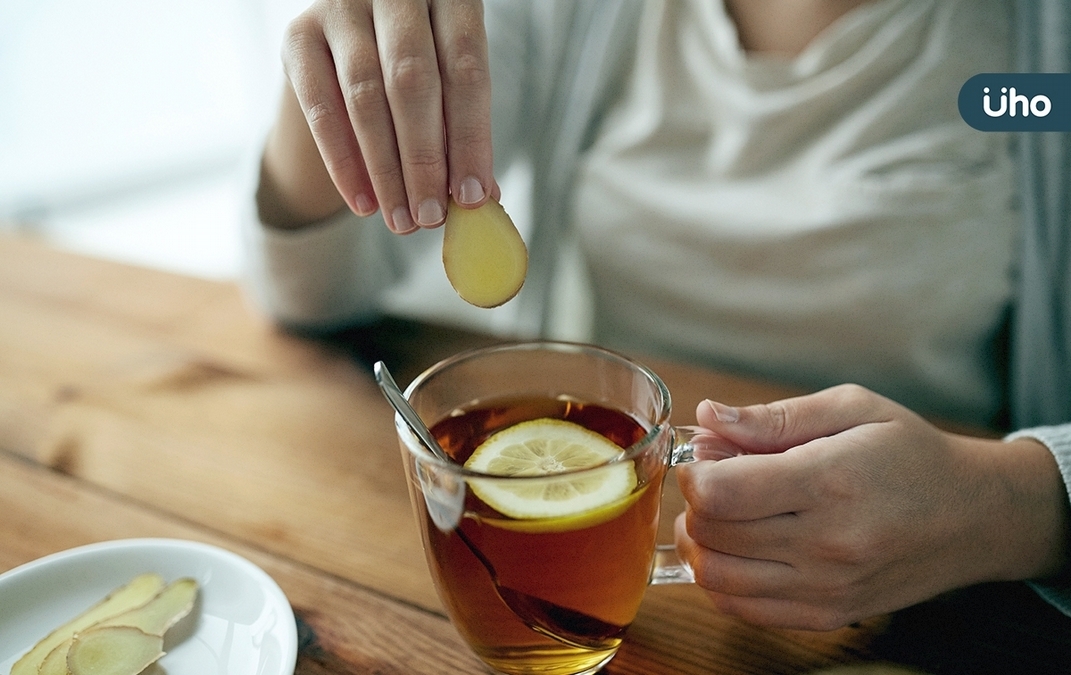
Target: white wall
(123,122)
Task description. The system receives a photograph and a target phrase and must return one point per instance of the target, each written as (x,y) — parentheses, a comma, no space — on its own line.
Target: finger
(777,426)
(772,538)
(461,47)
(749,487)
(731,574)
(353,42)
(414,93)
(781,613)
(758,591)
(309,68)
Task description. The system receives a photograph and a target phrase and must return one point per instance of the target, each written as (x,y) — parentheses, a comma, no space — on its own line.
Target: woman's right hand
(397,97)
(843,505)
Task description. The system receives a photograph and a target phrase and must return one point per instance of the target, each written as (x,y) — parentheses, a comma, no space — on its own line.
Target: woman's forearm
(295,189)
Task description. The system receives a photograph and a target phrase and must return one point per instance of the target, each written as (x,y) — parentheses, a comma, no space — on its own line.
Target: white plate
(243,624)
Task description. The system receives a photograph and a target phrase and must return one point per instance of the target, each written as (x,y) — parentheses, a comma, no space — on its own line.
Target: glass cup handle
(686,440)
(668,567)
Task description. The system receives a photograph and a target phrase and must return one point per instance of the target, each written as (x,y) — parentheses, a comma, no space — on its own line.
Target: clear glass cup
(552,595)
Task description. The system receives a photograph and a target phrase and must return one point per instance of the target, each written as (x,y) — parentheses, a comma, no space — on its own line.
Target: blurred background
(124,124)
(129,131)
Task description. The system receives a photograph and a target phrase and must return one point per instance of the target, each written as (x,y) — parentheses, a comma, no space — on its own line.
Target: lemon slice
(575,521)
(545,447)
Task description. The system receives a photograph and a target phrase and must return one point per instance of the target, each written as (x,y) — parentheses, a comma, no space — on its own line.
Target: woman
(782,188)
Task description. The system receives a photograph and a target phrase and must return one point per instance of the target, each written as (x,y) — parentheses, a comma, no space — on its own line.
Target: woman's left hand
(845,505)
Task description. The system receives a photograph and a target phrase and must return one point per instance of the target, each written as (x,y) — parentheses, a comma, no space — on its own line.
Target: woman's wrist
(1023,516)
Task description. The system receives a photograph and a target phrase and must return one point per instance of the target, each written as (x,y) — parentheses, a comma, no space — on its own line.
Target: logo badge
(1017,102)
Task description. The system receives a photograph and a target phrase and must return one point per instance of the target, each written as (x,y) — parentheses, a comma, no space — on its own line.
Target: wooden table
(136,403)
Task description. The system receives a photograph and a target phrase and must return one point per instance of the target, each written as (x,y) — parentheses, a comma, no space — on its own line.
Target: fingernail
(724,413)
(365,205)
(430,213)
(400,222)
(470,191)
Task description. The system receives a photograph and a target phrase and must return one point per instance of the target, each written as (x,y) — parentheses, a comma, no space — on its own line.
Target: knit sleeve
(321,277)
(1058,440)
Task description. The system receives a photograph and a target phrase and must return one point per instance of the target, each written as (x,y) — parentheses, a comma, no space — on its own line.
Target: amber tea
(542,590)
(540,534)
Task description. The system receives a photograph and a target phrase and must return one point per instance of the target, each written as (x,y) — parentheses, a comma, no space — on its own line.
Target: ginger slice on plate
(113,650)
(483,254)
(137,592)
(154,617)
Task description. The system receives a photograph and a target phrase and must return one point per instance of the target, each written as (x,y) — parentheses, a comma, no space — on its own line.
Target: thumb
(778,426)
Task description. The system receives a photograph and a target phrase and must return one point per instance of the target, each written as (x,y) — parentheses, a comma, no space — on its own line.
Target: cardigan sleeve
(321,277)
(1058,440)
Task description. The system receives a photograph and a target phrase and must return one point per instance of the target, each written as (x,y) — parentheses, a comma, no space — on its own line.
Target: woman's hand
(848,505)
(397,96)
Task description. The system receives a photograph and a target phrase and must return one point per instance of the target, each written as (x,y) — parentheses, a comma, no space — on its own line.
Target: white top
(790,218)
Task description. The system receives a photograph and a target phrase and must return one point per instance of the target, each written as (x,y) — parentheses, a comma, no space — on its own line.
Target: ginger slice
(483,254)
(154,617)
(162,612)
(137,592)
(56,661)
(113,650)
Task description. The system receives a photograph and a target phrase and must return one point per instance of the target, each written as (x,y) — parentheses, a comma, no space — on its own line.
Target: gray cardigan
(1040,354)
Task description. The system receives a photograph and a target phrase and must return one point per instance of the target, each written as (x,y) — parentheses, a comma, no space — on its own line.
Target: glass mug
(551,596)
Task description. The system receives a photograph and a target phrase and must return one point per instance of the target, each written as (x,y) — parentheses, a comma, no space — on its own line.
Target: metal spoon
(401,405)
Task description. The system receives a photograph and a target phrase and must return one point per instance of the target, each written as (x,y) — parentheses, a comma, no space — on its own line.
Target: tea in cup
(540,534)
